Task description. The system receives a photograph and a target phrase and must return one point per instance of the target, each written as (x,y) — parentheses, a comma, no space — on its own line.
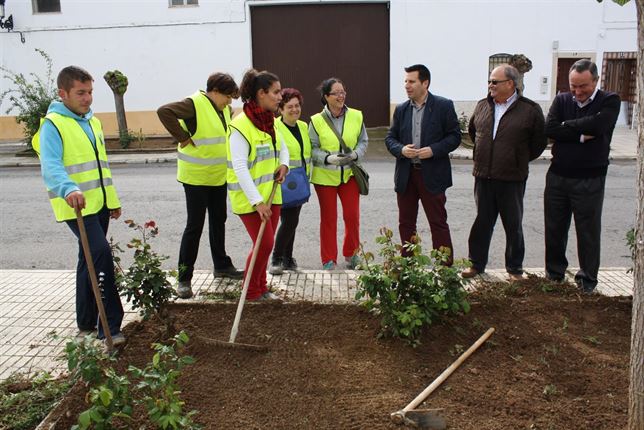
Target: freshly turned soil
(557,360)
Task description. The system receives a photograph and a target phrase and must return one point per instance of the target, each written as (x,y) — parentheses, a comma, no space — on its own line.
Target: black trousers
(494,198)
(285,237)
(86,310)
(199,199)
(582,198)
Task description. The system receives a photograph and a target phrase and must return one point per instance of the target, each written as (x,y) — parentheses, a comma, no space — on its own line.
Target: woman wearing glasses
(256,159)
(332,176)
(296,137)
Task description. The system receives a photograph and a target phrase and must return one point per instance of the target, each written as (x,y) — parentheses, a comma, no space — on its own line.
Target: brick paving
(34,304)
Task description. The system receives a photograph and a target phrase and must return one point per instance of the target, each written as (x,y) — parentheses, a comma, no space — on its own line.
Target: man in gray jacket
(508,132)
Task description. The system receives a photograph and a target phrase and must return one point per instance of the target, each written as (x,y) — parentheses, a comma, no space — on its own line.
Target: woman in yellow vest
(296,137)
(332,174)
(200,124)
(256,159)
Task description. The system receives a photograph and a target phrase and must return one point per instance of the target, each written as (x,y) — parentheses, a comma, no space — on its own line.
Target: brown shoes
(514,277)
(470,272)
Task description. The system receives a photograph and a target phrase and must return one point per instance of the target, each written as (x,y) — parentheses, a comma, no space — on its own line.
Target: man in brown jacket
(508,132)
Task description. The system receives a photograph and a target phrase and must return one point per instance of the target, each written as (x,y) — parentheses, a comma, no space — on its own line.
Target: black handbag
(359,172)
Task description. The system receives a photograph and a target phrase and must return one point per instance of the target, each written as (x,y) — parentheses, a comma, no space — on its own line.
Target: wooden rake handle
(249,272)
(92,275)
(443,376)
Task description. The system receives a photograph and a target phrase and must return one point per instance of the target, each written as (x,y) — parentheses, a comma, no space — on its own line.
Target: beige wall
(147,121)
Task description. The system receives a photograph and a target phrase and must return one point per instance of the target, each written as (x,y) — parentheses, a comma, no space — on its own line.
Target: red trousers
(252,222)
(349,194)
(434,207)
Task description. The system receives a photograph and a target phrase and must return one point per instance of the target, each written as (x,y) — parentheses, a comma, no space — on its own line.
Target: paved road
(30,238)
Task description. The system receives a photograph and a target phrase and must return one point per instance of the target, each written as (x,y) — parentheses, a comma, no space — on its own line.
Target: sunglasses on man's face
(494,81)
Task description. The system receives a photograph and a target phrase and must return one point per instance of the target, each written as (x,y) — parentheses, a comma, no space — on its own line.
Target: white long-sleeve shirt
(239,150)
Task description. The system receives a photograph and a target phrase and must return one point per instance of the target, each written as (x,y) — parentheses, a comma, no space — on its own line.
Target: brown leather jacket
(520,138)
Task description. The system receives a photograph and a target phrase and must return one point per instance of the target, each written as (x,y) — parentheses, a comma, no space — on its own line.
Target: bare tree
(117,81)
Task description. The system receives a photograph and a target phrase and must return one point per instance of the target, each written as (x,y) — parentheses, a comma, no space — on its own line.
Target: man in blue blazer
(425,130)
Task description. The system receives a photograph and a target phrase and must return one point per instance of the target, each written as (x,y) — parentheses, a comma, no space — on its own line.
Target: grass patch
(25,401)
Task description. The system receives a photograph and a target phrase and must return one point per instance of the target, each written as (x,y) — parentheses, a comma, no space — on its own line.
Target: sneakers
(83,333)
(352,262)
(277,267)
(184,290)
(229,272)
(118,339)
(289,263)
(329,265)
(267,297)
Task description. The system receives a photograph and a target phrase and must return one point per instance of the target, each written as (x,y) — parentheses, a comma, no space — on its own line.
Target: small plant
(410,292)
(30,96)
(160,388)
(593,340)
(86,360)
(26,400)
(550,390)
(145,284)
(110,403)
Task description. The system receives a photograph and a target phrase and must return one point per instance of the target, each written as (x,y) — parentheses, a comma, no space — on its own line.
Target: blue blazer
(439,130)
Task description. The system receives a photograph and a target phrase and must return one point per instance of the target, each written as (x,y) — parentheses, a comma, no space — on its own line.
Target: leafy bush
(160,388)
(30,96)
(411,292)
(145,284)
(111,396)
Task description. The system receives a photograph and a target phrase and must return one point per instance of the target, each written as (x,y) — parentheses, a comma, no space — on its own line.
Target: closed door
(306,43)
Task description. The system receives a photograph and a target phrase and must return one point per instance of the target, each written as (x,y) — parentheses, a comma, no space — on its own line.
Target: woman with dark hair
(332,175)
(256,159)
(296,137)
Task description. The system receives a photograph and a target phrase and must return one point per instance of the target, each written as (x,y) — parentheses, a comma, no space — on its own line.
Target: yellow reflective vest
(329,174)
(296,152)
(263,161)
(204,163)
(86,166)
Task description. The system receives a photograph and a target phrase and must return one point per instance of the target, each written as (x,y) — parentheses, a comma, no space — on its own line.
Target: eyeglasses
(338,94)
(494,81)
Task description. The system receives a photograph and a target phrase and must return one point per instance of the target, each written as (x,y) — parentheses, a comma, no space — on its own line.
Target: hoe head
(420,418)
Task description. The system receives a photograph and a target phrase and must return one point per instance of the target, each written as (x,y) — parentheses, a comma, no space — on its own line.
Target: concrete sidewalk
(36,303)
(623,147)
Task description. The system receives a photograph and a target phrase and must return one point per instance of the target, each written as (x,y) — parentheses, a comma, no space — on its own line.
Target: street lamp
(5,23)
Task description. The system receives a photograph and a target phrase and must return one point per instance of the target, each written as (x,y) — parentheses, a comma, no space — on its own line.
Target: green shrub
(30,95)
(412,292)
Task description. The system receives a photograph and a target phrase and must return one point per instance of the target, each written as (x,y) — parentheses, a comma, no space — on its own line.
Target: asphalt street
(31,239)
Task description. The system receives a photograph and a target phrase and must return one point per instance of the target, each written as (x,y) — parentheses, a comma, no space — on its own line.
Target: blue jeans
(86,310)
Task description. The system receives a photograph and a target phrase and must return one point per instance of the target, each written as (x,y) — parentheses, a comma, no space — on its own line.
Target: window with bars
(497,60)
(174,3)
(45,6)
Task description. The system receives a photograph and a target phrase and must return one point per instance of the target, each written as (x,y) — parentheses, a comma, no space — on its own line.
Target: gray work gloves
(341,159)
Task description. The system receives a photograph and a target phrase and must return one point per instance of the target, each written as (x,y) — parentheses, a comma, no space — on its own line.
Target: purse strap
(345,148)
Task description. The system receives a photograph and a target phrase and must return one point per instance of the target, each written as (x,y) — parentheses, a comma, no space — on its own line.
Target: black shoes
(289,263)
(229,272)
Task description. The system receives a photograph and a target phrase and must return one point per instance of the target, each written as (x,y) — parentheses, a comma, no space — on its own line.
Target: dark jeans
(289,218)
(434,207)
(583,199)
(200,198)
(494,198)
(86,310)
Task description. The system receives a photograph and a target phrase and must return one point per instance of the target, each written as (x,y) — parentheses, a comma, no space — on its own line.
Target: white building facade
(167,48)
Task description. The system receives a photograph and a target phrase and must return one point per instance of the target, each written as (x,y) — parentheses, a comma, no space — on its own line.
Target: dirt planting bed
(558,360)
